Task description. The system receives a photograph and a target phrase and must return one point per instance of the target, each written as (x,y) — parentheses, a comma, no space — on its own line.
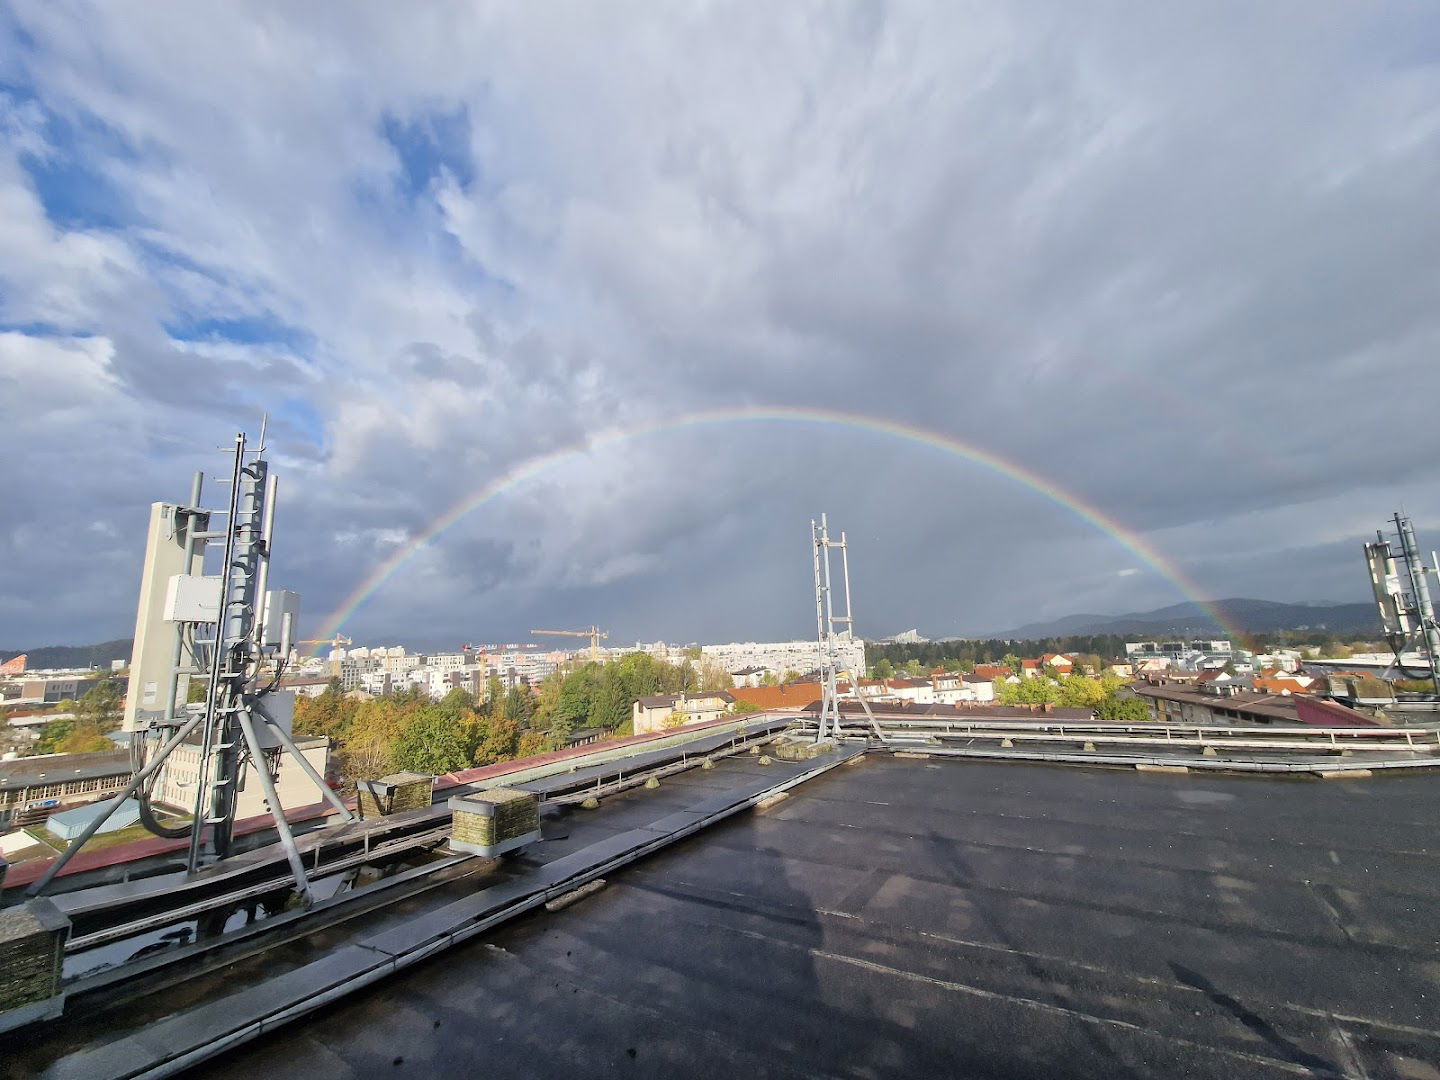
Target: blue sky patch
(427,143)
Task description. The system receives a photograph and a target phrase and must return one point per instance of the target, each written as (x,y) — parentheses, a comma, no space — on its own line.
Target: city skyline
(1142,271)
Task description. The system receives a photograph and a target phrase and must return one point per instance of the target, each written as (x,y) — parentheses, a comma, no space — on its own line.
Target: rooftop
(55,768)
(938,918)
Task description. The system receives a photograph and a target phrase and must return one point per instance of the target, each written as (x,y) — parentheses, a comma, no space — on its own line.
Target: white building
(176,787)
(779,657)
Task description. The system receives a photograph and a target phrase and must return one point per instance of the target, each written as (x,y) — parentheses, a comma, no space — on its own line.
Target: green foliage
(53,734)
(407,731)
(101,707)
(1067,691)
(742,707)
(434,741)
(1414,686)
(1130,710)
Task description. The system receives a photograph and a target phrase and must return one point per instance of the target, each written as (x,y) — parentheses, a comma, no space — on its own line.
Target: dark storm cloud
(1179,260)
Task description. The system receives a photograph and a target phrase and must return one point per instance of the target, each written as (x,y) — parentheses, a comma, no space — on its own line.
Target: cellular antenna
(230,629)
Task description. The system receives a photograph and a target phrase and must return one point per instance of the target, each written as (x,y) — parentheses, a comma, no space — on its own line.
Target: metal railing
(893,728)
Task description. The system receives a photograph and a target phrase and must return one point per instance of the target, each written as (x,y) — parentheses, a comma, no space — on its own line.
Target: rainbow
(533,467)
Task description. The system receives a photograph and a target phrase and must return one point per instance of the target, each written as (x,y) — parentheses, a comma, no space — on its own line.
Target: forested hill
(1191,620)
(73,656)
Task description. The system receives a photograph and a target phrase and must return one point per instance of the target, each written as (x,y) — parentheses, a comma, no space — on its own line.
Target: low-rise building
(33,788)
(305,685)
(663,711)
(1173,703)
(747,676)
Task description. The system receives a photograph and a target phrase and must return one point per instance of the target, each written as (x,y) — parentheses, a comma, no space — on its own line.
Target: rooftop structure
(909,918)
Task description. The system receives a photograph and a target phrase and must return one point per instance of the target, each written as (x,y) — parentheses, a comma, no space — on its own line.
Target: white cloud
(1151,255)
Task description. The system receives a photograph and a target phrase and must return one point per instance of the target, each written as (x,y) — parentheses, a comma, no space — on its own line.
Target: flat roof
(912,917)
(58,768)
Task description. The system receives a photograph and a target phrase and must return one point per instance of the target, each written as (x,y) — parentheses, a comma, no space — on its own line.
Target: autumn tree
(102,707)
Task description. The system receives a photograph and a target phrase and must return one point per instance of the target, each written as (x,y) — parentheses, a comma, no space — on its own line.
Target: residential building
(306,685)
(675,710)
(916,691)
(980,688)
(53,689)
(779,657)
(747,676)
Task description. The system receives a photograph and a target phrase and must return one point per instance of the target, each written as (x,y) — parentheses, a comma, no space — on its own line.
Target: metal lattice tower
(832,629)
(243,657)
(1408,616)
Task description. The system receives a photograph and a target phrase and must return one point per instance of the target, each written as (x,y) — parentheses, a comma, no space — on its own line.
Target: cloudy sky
(1179,260)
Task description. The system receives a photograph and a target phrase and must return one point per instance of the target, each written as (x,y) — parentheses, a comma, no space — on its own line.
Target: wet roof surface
(914,917)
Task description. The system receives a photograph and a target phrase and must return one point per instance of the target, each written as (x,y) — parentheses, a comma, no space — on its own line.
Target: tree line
(963,655)
(407,731)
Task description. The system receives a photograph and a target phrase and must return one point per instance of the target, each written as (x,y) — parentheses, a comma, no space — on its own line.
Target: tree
(1037,691)
(535,742)
(1129,710)
(102,707)
(53,734)
(714,676)
(517,707)
(84,739)
(610,706)
(742,706)
(882,669)
(432,742)
(502,739)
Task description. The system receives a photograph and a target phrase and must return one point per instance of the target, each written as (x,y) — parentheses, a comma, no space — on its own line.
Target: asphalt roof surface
(937,917)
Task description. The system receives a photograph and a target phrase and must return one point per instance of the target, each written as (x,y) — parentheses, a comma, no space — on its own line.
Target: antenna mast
(832,630)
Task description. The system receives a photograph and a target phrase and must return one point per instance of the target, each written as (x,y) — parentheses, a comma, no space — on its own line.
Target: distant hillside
(73,656)
(1180,620)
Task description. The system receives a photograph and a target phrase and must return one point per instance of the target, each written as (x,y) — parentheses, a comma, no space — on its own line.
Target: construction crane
(338,641)
(595,634)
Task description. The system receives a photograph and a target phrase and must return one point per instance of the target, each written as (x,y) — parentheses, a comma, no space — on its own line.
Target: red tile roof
(789,696)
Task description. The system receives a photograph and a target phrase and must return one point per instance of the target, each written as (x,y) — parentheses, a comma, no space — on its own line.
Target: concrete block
(1210,751)
(1089,748)
(1345,774)
(651,784)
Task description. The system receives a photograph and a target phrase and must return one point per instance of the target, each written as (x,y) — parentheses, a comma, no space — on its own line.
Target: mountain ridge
(1189,618)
